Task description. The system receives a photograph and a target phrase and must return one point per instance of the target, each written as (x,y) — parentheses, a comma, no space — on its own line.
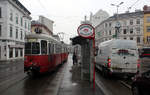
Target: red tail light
(109,60)
(138,63)
(109,63)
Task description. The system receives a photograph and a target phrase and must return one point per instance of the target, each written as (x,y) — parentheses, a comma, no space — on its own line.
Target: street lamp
(117,22)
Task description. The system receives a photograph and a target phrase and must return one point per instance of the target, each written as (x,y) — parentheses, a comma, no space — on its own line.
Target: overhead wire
(133,4)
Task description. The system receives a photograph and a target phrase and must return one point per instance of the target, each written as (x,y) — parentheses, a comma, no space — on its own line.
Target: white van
(118,57)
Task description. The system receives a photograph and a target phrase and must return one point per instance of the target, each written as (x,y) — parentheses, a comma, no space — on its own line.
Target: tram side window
(43,47)
(53,48)
(35,48)
(28,48)
(50,48)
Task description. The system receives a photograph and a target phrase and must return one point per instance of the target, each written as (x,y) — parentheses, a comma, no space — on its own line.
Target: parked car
(141,84)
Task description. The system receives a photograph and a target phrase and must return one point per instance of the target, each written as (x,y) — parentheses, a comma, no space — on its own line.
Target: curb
(102,87)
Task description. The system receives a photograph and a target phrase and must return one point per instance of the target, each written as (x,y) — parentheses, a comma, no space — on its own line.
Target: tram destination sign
(86,31)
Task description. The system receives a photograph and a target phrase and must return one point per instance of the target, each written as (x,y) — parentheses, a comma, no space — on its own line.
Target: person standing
(74,58)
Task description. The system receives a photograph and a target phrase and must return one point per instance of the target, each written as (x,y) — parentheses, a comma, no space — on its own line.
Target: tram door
(49,52)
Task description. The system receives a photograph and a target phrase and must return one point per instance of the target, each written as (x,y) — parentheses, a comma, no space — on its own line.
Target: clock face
(118,24)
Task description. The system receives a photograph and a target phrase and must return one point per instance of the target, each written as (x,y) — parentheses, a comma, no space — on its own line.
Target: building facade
(98,17)
(15,23)
(42,26)
(146,10)
(131,27)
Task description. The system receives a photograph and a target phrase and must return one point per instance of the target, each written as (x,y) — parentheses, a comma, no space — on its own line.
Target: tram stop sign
(86,31)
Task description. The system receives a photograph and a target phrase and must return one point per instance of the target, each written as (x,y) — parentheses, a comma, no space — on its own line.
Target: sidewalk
(72,84)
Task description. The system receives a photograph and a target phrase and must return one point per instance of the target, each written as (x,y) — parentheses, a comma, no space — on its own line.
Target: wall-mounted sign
(86,30)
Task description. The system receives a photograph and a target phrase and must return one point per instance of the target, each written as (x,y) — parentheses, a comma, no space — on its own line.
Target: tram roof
(41,36)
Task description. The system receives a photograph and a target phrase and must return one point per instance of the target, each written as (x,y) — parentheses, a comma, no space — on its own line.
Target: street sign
(86,31)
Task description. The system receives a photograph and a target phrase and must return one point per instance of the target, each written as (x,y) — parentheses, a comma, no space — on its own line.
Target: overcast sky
(67,14)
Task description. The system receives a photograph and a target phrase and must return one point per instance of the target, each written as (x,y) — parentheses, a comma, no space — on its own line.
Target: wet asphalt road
(111,86)
(49,84)
(46,84)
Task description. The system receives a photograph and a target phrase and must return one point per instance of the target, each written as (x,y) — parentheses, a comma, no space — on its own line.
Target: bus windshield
(32,48)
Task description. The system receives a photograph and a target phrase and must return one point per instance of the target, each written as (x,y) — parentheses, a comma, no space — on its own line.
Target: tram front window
(32,48)
(35,48)
(28,48)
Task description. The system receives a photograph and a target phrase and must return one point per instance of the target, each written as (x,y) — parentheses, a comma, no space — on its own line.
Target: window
(131,31)
(106,33)
(99,34)
(28,48)
(31,48)
(11,16)
(25,24)
(35,48)
(10,52)
(148,28)
(138,29)
(148,19)
(49,48)
(43,47)
(109,32)
(16,52)
(11,31)
(21,35)
(124,31)
(131,38)
(38,30)
(125,38)
(109,24)
(105,24)
(21,21)
(148,39)
(0,30)
(21,52)
(16,18)
(138,21)
(131,22)
(16,33)
(138,39)
(29,26)
(124,23)
(0,12)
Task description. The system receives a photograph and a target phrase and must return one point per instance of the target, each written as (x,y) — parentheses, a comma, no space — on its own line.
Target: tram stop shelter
(87,60)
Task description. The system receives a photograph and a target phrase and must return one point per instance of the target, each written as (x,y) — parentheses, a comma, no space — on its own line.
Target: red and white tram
(43,53)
